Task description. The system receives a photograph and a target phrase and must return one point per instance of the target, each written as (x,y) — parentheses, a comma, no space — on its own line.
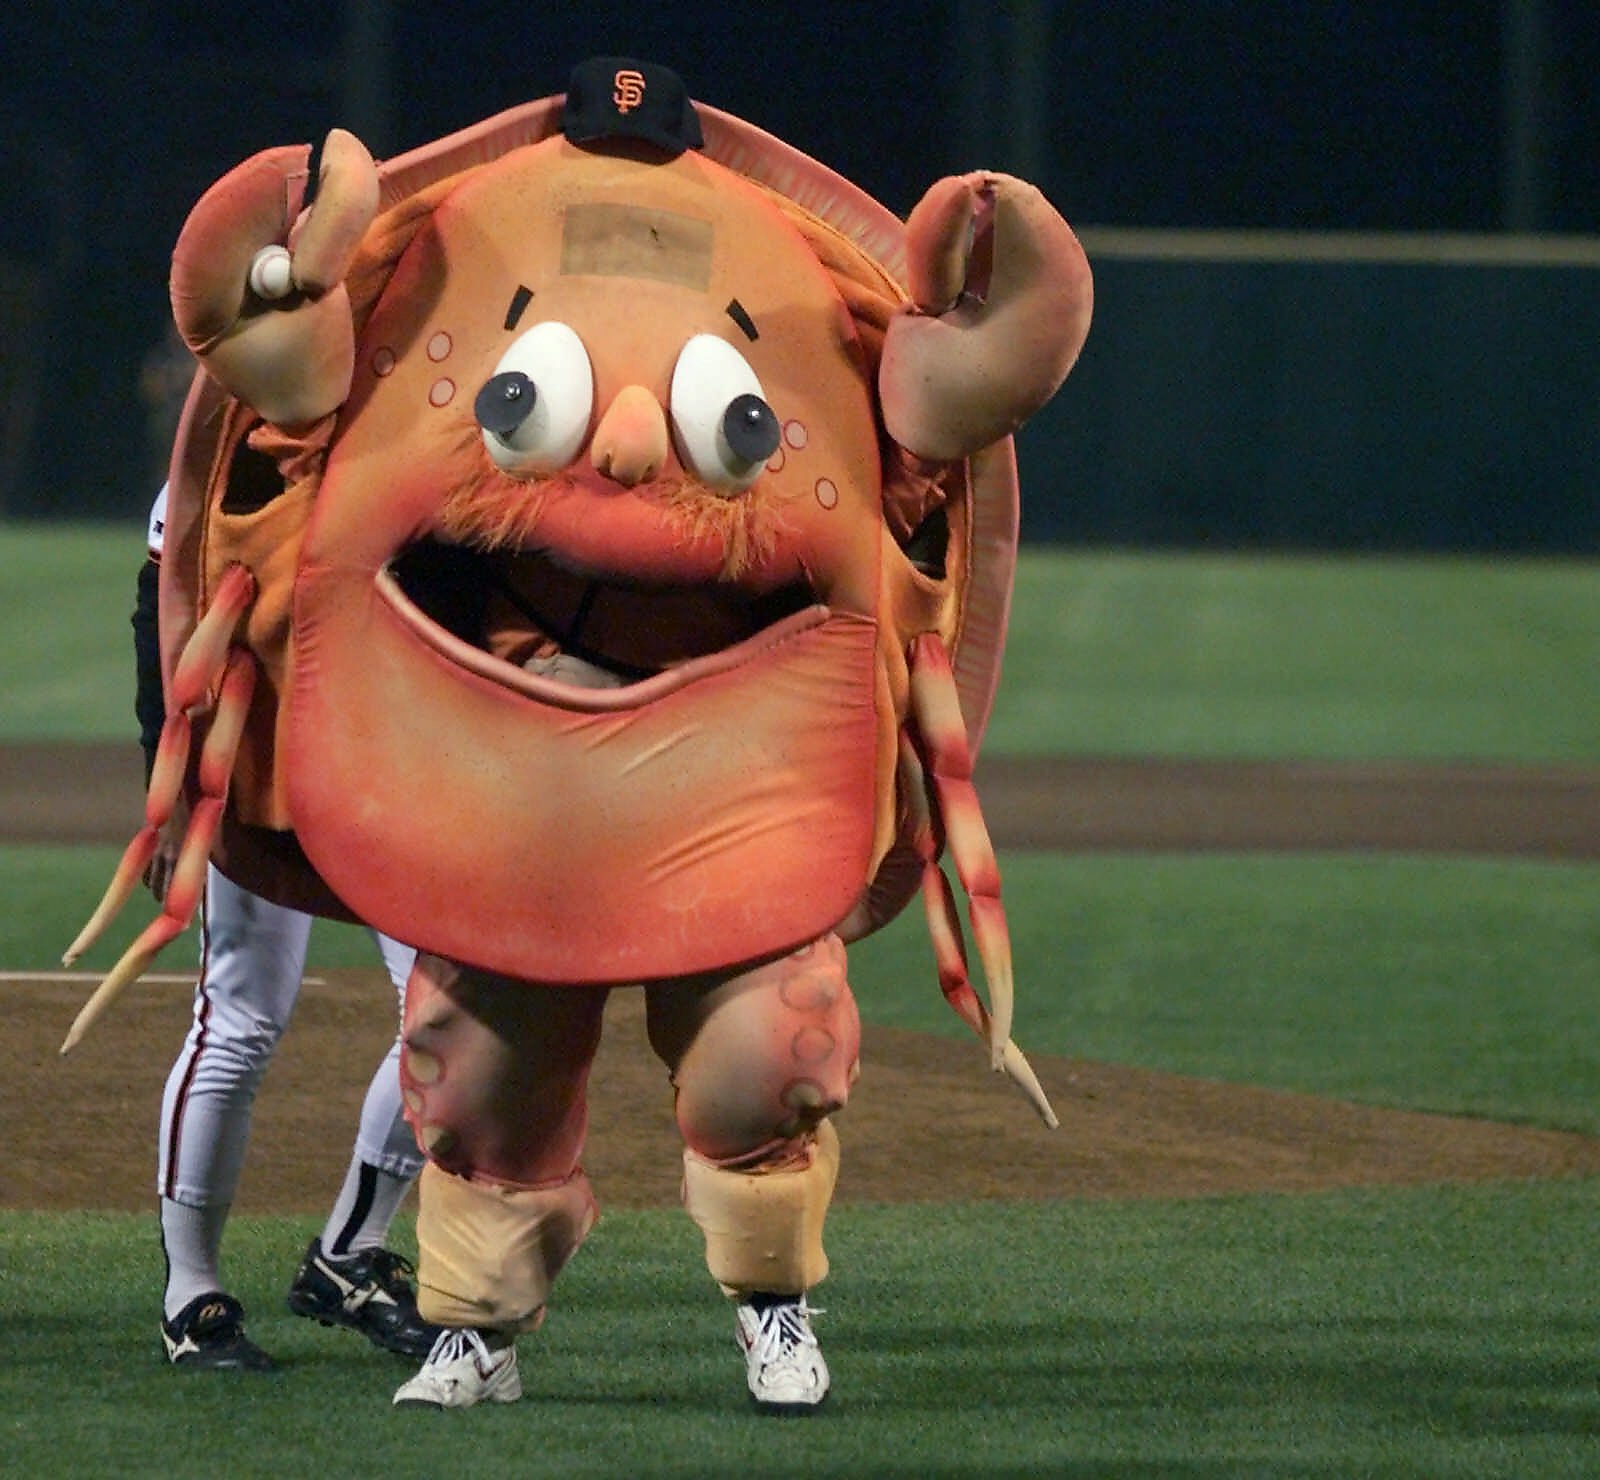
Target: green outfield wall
(1336,391)
(1328,391)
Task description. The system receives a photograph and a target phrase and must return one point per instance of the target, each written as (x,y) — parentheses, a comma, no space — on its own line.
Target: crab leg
(949,949)
(166,779)
(199,671)
(942,795)
(200,666)
(942,735)
(183,894)
(207,663)
(944,928)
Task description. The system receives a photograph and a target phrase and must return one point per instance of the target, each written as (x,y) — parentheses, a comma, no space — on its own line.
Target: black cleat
(369,1292)
(207,1335)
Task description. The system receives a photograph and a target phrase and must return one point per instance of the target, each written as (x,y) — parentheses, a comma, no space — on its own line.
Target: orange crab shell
(721,811)
(543,835)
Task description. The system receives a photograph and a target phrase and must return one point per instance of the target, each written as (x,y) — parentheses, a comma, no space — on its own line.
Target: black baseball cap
(621,98)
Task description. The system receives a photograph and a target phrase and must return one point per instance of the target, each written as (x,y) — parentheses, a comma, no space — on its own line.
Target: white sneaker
(462,1370)
(784,1364)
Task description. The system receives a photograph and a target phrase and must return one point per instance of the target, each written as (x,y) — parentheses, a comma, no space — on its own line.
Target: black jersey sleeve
(149,704)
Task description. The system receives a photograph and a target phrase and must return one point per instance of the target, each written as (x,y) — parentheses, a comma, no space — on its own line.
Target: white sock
(364,1209)
(191,1238)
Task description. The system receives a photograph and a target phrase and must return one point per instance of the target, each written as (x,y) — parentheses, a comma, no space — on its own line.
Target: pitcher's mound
(927,1122)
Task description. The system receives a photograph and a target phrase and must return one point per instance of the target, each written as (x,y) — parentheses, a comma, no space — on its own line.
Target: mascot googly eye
(536,407)
(724,429)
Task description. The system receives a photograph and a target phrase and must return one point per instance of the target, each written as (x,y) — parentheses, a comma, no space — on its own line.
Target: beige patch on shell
(613,240)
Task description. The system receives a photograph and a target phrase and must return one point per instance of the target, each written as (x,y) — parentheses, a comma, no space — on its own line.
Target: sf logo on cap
(629,90)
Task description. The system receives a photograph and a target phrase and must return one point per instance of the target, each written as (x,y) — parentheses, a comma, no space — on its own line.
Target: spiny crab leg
(166,780)
(200,666)
(183,894)
(208,664)
(941,734)
(199,672)
(941,795)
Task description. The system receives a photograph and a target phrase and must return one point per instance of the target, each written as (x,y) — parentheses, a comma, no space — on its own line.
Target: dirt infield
(927,1122)
(92,794)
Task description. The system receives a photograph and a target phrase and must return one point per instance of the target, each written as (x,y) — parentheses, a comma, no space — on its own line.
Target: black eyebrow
(736,311)
(519,301)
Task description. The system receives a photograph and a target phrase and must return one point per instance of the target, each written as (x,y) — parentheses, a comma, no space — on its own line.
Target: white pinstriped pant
(252,958)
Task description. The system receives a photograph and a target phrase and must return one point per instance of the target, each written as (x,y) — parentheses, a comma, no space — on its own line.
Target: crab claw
(1001,301)
(257,277)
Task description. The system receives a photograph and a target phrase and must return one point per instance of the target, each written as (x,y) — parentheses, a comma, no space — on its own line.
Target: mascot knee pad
(775,1052)
(489,1253)
(763,1230)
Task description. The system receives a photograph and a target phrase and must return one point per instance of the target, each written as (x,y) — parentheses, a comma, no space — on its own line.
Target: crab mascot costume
(593,544)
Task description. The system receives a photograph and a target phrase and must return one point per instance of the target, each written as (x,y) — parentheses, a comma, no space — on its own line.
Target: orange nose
(630,444)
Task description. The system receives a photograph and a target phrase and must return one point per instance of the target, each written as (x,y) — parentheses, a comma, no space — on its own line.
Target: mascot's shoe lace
(207,1335)
(463,1370)
(784,1364)
(369,1292)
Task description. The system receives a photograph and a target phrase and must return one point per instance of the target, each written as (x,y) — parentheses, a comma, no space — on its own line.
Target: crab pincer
(258,272)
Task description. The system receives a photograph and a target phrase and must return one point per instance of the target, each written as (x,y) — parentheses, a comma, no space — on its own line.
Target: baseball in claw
(628,521)
(272,273)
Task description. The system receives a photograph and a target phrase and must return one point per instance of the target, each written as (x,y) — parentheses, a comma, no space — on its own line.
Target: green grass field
(1432,1332)
(1343,659)
(1108,655)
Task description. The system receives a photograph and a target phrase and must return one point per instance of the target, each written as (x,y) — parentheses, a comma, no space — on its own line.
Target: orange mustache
(490,511)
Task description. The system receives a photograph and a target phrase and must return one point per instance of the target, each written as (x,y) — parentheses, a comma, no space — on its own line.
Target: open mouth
(523,622)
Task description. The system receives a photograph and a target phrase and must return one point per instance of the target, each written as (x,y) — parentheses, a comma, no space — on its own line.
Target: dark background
(1186,421)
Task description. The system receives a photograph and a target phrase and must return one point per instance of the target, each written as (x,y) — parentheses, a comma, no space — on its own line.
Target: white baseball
(272,273)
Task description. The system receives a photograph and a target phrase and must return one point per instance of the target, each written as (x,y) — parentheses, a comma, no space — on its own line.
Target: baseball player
(252,956)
